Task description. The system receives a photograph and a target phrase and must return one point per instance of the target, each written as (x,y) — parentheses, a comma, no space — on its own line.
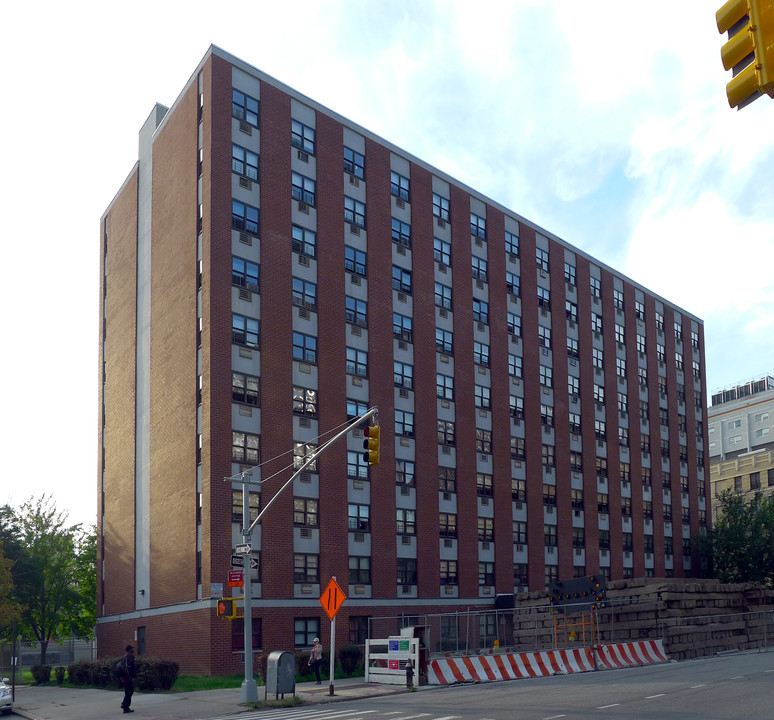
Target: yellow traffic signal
(371,445)
(750,24)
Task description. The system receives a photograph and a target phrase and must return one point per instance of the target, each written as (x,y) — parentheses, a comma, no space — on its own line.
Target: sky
(606,123)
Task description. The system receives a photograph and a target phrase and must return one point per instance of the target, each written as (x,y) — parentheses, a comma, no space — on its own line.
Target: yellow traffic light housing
(749,50)
(227,608)
(371,445)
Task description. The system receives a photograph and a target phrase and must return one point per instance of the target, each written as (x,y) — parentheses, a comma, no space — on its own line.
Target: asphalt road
(730,687)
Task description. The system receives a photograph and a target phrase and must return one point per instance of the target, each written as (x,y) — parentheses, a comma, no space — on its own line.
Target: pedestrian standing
(127,671)
(315,659)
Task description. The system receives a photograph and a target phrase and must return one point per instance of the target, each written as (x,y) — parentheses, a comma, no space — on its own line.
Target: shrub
(151,674)
(41,673)
(59,672)
(350,657)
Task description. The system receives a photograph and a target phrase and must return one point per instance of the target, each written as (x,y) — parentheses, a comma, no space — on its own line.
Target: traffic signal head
(226,608)
(749,50)
(371,445)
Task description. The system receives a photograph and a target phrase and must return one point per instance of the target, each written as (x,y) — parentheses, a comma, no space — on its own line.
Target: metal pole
(249,687)
(332,659)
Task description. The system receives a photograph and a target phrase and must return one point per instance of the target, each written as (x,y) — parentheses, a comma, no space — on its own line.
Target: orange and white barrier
(632,654)
(508,666)
(514,666)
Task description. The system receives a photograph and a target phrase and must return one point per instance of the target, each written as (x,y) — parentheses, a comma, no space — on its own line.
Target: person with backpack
(126,670)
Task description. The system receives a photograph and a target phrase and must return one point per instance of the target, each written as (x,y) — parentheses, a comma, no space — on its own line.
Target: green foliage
(349,658)
(59,673)
(152,674)
(41,673)
(742,538)
(53,571)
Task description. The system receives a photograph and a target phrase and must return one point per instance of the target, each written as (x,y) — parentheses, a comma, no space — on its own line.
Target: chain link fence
(61,651)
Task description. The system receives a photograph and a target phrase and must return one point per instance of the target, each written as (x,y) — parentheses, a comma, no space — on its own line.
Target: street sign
(235,578)
(216,590)
(237,561)
(243,549)
(332,598)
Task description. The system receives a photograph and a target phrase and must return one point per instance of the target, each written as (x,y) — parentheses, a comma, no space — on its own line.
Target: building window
(244,162)
(569,273)
(548,456)
(254,500)
(519,532)
(544,336)
(245,389)
(623,437)
(446,433)
(571,310)
(354,162)
(512,283)
(244,107)
(305,512)
(623,403)
(620,367)
(441,207)
(482,397)
(604,539)
(401,327)
(245,447)
(355,408)
(443,296)
(547,416)
(483,441)
(354,261)
(303,452)
(306,630)
(641,345)
(302,137)
(544,298)
(244,273)
(304,294)
(517,408)
(514,365)
(618,299)
(486,576)
(404,423)
(401,232)
(304,347)
(486,529)
(399,186)
(444,341)
(596,323)
(620,335)
(403,375)
(303,189)
(659,321)
(597,358)
(357,362)
(483,485)
(404,471)
(244,218)
(546,376)
(679,360)
(755,481)
(448,525)
(444,386)
(477,226)
(642,376)
(305,241)
(244,330)
(514,324)
(549,535)
(599,394)
(575,423)
(406,522)
(304,401)
(511,244)
(481,353)
(518,449)
(358,517)
(306,568)
(359,572)
(481,311)
(407,571)
(401,279)
(542,259)
(595,287)
(479,267)
(694,339)
(356,311)
(354,212)
(448,572)
(441,251)
(447,480)
(639,309)
(549,495)
(518,490)
(573,387)
(357,467)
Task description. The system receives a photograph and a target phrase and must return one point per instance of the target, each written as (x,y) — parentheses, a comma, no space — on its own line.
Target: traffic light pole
(249,687)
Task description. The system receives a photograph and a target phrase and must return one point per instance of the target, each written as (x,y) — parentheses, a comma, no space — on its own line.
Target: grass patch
(191,683)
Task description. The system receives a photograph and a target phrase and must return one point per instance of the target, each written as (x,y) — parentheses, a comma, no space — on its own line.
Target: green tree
(7,608)
(742,538)
(53,570)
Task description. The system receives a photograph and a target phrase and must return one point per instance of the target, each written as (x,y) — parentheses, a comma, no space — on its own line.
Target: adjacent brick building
(270,270)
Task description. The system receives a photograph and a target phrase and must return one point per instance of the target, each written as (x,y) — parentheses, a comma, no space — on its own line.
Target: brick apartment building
(271,269)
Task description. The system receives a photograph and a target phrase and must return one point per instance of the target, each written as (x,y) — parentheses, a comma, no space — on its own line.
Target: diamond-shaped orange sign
(332,598)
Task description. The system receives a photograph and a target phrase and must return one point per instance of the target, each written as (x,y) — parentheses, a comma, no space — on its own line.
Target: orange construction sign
(332,598)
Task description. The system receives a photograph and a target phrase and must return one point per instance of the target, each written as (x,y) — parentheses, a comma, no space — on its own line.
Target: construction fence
(62,651)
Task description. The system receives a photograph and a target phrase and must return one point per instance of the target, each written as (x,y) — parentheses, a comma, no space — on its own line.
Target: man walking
(127,671)
(315,659)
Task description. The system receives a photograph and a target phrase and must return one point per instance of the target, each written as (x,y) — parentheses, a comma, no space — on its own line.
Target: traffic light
(226,608)
(371,445)
(749,50)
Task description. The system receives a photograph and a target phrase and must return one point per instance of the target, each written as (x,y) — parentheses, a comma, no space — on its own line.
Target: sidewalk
(62,703)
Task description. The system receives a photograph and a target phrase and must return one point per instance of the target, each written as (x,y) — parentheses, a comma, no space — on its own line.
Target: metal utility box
(280,673)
